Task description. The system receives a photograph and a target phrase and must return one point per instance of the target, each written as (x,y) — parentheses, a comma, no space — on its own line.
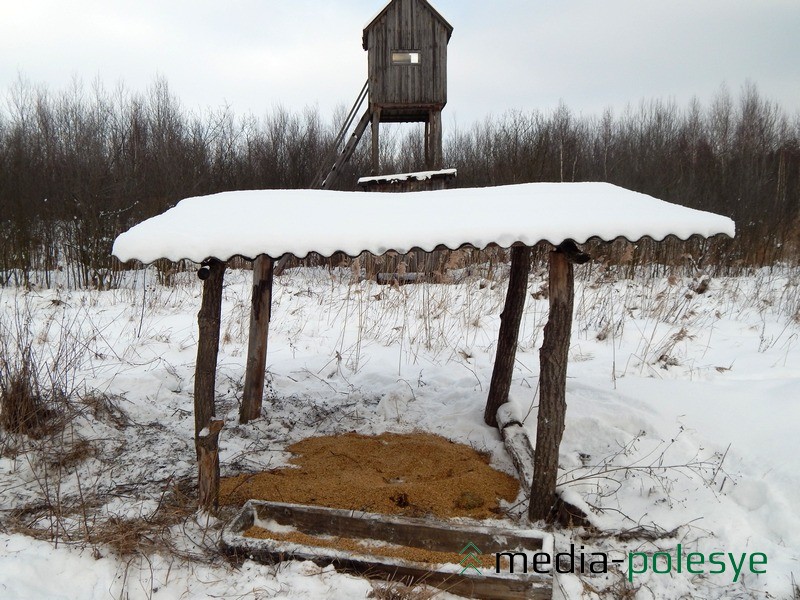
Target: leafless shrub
(652,471)
(22,410)
(27,406)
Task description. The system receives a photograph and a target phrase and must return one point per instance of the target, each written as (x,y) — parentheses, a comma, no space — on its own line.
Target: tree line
(80,166)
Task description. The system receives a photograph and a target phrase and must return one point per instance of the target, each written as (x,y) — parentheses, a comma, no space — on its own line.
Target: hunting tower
(406,46)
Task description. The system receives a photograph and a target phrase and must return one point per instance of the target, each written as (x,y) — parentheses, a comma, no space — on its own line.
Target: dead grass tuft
(22,409)
(150,534)
(124,537)
(396,590)
(73,454)
(105,407)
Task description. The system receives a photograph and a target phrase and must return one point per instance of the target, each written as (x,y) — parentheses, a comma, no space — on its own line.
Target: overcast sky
(515,54)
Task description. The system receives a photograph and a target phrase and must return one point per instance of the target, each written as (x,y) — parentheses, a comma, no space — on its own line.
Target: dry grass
(123,536)
(147,535)
(396,590)
(22,409)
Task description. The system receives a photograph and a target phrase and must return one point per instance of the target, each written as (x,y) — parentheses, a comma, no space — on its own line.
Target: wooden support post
(434,140)
(552,385)
(260,311)
(212,272)
(428,143)
(510,320)
(376,125)
(279,267)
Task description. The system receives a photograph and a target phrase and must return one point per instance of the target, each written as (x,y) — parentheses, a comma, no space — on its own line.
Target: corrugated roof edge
(274,222)
(593,238)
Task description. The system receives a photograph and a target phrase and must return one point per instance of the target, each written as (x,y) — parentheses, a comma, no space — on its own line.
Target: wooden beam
(510,320)
(349,149)
(428,161)
(260,312)
(552,385)
(212,272)
(279,267)
(435,138)
(376,126)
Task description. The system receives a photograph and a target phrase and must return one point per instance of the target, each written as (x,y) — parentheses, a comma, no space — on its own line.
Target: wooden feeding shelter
(406,46)
(210,230)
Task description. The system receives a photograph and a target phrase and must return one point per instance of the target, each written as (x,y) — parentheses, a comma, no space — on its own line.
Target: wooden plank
(406,531)
(510,320)
(435,140)
(260,313)
(441,536)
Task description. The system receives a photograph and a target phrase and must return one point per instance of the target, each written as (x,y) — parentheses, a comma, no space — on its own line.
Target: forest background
(80,166)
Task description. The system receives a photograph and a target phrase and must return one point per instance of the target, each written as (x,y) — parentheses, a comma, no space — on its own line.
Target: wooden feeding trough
(378,537)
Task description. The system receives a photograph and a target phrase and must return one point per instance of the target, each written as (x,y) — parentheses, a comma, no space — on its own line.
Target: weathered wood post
(510,320)
(553,357)
(433,140)
(208,465)
(260,312)
(376,126)
(206,427)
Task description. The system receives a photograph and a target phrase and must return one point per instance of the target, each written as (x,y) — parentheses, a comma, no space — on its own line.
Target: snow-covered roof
(417,176)
(274,222)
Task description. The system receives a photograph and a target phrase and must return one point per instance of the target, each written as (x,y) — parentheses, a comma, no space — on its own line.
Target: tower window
(405,57)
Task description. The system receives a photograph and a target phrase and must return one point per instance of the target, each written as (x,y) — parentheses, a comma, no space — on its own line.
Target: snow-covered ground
(682,421)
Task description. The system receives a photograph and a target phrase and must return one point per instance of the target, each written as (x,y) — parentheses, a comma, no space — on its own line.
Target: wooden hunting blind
(406,46)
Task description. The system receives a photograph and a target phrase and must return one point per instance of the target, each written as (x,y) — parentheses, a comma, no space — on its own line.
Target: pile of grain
(417,474)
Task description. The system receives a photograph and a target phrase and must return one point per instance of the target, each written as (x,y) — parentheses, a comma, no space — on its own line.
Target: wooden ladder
(326,176)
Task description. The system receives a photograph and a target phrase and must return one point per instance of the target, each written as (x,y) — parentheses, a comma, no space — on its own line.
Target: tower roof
(425,3)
